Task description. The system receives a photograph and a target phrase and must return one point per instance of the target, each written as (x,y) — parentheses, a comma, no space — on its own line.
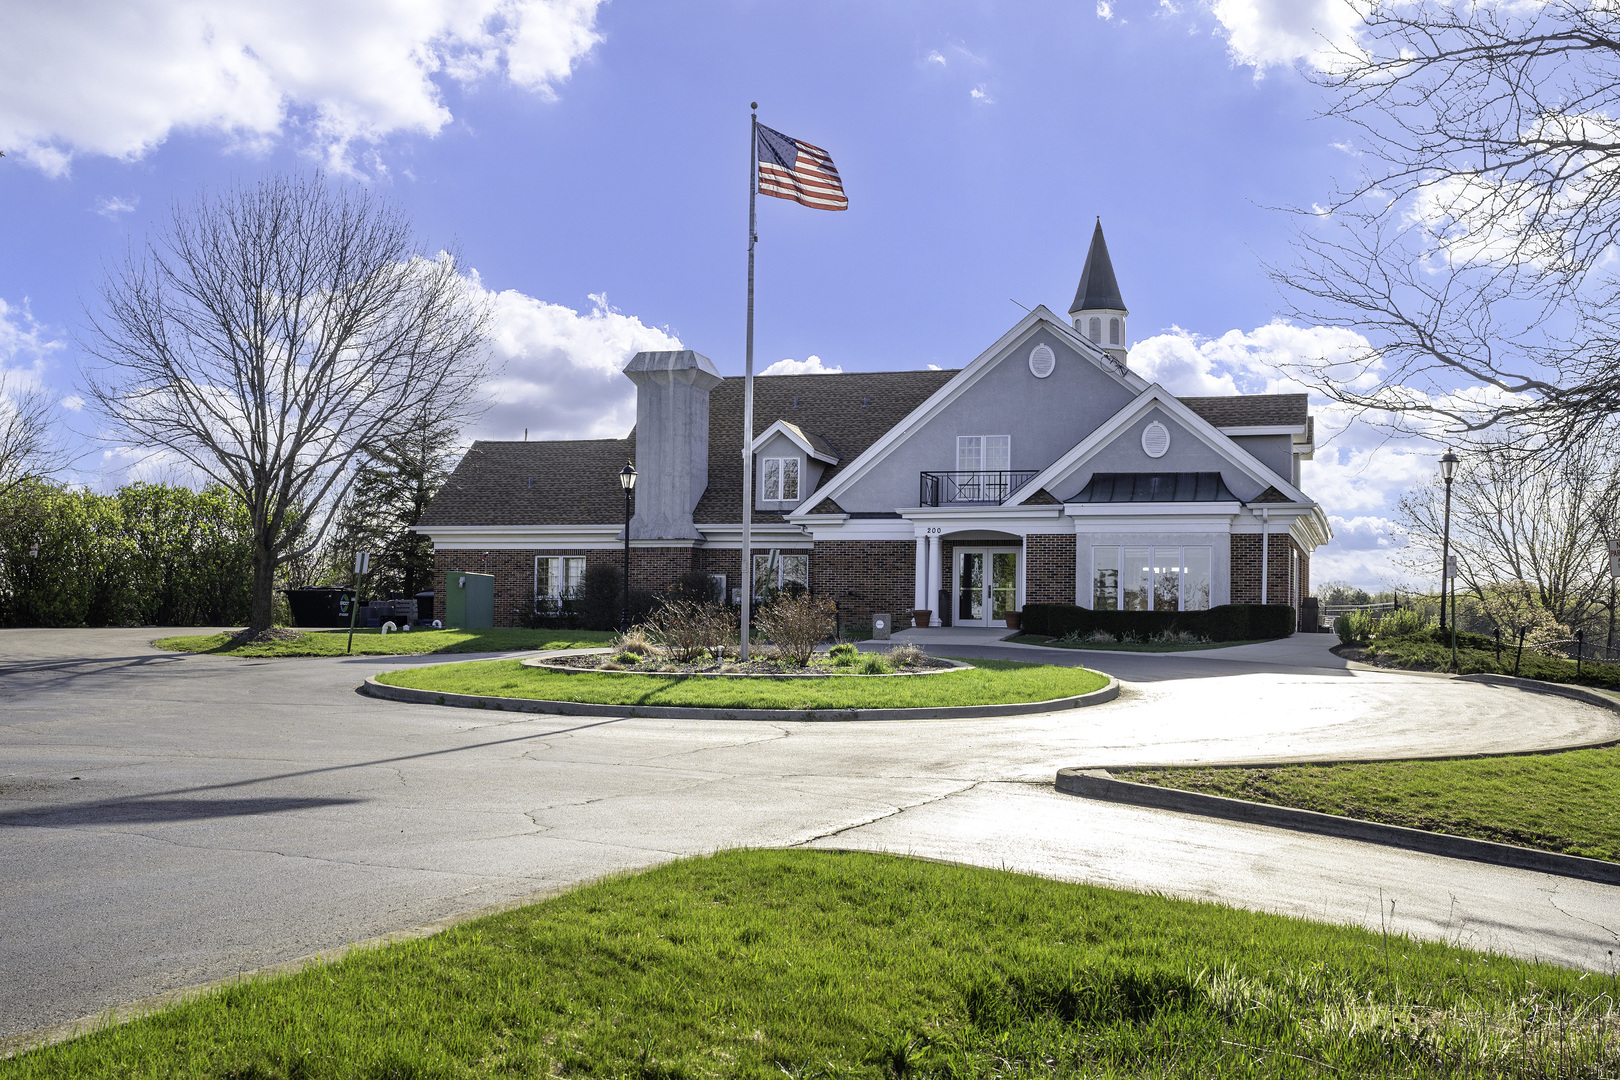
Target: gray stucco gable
(1188,453)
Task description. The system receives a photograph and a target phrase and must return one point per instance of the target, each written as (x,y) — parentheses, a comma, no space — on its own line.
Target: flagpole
(747,561)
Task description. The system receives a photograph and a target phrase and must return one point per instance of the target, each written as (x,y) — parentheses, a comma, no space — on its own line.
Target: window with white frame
(1158,578)
(779,478)
(557,576)
(779,569)
(980,461)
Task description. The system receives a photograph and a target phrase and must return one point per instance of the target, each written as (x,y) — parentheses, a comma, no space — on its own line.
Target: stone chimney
(672,441)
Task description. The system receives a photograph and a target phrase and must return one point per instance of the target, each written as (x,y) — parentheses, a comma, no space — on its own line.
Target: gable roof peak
(1099,289)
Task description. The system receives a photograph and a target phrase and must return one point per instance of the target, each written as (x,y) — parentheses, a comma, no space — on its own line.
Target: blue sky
(590,162)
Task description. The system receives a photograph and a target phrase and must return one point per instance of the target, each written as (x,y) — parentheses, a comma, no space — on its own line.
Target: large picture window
(1150,578)
(558,576)
(779,479)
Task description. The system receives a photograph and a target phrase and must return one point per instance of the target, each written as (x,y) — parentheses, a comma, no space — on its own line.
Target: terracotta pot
(921,618)
(1014,618)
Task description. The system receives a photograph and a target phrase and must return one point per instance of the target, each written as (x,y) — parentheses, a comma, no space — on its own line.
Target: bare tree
(1473,248)
(1516,520)
(29,448)
(272,335)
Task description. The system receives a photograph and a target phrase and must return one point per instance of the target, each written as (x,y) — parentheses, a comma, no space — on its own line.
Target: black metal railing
(978,486)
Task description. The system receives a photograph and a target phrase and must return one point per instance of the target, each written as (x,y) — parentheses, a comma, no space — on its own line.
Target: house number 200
(933,530)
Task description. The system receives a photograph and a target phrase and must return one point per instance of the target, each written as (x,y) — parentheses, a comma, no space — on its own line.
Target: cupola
(1099,311)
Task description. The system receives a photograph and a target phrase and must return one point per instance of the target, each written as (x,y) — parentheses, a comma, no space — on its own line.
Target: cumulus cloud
(560,369)
(1272,33)
(1105,10)
(116,77)
(110,206)
(978,94)
(812,366)
(26,348)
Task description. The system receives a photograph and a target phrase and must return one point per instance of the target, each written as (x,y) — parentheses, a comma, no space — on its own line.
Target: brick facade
(1049,568)
(864,576)
(654,569)
(1246,569)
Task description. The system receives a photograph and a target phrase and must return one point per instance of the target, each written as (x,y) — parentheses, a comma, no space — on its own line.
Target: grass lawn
(819,964)
(374,642)
(987,682)
(1567,802)
(1429,650)
(1128,646)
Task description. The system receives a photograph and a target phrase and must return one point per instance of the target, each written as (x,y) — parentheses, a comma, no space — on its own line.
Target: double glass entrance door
(986,586)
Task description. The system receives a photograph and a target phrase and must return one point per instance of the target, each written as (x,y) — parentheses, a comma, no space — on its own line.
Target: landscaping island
(1566,802)
(977,683)
(400,643)
(822,964)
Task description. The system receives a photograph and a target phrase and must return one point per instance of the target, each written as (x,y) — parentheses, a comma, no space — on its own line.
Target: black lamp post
(1448,470)
(627,480)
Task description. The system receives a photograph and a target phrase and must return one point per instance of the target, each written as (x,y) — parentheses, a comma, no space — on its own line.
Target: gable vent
(1041,361)
(1155,440)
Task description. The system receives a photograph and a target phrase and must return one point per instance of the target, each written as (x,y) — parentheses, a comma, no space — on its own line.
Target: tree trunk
(264,580)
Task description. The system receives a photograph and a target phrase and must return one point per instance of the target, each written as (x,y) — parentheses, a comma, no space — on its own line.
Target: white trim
(1157,395)
(1262,429)
(781,479)
(964,380)
(795,434)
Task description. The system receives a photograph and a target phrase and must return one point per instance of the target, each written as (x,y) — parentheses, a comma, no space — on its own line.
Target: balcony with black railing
(977,487)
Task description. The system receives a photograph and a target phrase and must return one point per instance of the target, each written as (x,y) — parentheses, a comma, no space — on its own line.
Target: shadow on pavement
(140,811)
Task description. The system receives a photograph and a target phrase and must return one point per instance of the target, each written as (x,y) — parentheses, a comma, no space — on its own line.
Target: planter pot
(921,617)
(1014,618)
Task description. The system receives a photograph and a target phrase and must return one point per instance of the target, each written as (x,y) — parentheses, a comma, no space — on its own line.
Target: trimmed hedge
(1228,622)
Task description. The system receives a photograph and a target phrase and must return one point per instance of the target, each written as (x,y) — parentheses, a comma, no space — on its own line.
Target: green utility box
(469,600)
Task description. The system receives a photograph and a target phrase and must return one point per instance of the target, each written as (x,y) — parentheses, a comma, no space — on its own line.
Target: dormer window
(780,478)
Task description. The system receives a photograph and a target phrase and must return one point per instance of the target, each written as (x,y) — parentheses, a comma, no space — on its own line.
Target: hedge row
(1228,622)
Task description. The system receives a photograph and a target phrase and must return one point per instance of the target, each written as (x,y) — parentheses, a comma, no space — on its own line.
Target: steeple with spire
(1099,311)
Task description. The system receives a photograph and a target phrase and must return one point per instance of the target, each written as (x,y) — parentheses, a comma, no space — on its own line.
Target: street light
(1448,470)
(627,480)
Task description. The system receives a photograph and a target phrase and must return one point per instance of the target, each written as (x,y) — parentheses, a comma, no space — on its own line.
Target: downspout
(1265,549)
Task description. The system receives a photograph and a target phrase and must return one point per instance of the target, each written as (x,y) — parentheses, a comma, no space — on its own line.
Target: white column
(920,588)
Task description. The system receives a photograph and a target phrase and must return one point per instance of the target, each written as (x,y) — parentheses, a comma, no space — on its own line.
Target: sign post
(362,563)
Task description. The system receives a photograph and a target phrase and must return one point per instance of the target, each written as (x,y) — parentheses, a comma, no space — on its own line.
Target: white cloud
(1105,10)
(1268,33)
(978,94)
(560,369)
(117,77)
(25,347)
(812,366)
(110,206)
(935,57)
(73,403)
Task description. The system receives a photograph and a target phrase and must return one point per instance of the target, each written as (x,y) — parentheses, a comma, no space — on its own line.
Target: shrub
(1228,622)
(846,654)
(692,632)
(797,624)
(904,656)
(696,587)
(1401,622)
(636,640)
(873,664)
(1354,627)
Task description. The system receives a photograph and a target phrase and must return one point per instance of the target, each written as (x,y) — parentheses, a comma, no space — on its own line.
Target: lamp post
(627,480)
(1448,469)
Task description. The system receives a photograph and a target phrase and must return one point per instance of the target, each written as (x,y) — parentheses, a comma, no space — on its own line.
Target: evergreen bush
(1228,622)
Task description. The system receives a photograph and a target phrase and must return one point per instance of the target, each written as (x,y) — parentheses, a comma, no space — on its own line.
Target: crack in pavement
(892,812)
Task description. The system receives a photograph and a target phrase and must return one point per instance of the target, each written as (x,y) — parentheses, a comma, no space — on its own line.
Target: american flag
(793,169)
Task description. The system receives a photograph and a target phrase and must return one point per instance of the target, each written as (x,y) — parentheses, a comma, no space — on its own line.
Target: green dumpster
(469,601)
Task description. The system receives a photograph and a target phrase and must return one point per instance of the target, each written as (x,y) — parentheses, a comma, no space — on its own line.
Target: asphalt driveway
(167,820)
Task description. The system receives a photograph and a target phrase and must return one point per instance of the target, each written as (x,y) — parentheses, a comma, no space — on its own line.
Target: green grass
(1128,646)
(409,643)
(987,682)
(819,964)
(1430,650)
(1567,802)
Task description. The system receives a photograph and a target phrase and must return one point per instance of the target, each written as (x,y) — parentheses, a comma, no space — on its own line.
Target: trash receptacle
(323,606)
(880,626)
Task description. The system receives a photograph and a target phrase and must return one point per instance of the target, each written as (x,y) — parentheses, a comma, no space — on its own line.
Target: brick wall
(654,569)
(1246,569)
(864,576)
(1049,571)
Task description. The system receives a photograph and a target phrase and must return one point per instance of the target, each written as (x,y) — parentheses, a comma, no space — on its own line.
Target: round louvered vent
(1155,440)
(1041,361)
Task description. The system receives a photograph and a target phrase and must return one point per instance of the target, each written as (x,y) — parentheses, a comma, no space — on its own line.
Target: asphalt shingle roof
(1251,410)
(562,482)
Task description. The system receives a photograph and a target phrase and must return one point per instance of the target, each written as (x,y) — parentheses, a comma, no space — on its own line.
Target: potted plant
(1013,619)
(921,617)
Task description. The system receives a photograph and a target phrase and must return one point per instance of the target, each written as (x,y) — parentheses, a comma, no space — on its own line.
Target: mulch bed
(769,668)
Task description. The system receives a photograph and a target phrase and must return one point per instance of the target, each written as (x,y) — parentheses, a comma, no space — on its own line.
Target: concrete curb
(673,712)
(1537,686)
(1099,784)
